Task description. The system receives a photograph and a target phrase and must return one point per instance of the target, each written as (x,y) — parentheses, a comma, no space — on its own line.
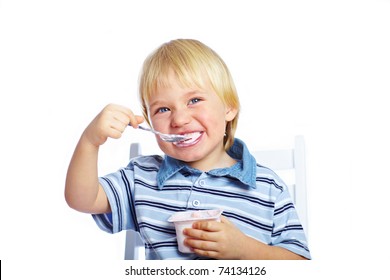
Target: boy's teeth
(190,137)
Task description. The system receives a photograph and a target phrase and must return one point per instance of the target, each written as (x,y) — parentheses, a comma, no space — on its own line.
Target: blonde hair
(194,64)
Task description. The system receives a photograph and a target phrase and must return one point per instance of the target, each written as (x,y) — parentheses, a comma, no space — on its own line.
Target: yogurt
(185,219)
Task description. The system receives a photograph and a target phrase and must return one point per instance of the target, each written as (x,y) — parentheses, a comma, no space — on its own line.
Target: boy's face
(177,110)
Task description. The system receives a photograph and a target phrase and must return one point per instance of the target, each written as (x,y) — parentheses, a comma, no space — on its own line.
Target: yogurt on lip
(192,138)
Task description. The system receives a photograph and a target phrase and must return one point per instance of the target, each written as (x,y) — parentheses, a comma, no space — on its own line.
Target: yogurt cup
(185,219)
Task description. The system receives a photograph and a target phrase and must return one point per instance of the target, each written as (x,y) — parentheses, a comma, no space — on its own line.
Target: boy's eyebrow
(155,103)
(187,94)
(195,92)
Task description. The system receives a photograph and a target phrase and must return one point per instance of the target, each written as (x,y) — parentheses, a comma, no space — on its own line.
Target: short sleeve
(287,229)
(119,188)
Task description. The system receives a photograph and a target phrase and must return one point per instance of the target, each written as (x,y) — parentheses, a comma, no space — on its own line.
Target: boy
(186,88)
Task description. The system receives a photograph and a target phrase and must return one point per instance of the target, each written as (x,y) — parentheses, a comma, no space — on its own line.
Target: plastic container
(185,219)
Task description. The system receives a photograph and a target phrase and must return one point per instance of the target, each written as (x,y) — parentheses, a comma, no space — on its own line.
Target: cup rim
(184,216)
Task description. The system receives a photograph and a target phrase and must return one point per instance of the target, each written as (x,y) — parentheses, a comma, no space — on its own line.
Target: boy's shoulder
(145,162)
(266,176)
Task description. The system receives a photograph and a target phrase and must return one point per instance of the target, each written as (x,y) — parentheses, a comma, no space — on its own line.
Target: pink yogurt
(185,219)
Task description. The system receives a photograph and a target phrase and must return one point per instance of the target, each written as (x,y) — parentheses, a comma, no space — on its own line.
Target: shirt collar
(244,170)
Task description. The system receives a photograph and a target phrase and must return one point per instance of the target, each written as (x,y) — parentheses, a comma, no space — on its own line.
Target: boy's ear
(231,113)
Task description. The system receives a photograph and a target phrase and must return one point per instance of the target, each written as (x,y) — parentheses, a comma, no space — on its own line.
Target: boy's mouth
(192,138)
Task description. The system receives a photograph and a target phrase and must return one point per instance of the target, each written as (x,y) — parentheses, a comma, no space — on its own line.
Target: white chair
(134,244)
(289,164)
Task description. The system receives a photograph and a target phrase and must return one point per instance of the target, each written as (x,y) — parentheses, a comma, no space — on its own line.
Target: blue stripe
(166,187)
(177,187)
(159,205)
(284,208)
(146,168)
(157,228)
(296,243)
(287,228)
(130,199)
(105,221)
(117,202)
(162,244)
(221,193)
(248,221)
(144,184)
(269,181)
(217,192)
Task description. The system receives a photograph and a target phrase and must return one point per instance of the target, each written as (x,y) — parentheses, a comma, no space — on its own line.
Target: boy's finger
(140,119)
(196,234)
(126,115)
(135,120)
(124,110)
(206,225)
(225,220)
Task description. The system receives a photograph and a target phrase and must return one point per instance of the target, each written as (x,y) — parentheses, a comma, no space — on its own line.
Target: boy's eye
(194,100)
(162,110)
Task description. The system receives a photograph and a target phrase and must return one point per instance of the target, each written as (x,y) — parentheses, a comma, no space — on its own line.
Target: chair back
(290,165)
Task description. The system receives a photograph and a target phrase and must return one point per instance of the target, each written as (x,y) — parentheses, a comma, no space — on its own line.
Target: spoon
(165,137)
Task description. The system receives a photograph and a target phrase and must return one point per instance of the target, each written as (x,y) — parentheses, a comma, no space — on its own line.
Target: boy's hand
(218,240)
(110,122)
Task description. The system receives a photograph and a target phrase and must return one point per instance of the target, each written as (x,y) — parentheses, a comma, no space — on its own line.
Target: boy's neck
(208,164)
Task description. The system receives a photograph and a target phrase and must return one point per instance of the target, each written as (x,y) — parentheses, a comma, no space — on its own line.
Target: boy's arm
(225,241)
(255,250)
(82,189)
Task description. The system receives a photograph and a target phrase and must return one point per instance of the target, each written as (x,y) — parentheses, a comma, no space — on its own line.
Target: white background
(316,68)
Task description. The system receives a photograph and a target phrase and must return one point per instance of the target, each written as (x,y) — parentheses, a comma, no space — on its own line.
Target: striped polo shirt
(150,189)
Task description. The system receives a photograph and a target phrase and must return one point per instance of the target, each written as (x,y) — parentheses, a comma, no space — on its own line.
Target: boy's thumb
(140,119)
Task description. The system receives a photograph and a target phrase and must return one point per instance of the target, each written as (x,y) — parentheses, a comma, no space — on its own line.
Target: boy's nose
(180,118)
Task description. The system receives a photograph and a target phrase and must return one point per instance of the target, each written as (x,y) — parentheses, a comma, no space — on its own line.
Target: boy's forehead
(184,85)
(171,80)
(184,79)
(179,91)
